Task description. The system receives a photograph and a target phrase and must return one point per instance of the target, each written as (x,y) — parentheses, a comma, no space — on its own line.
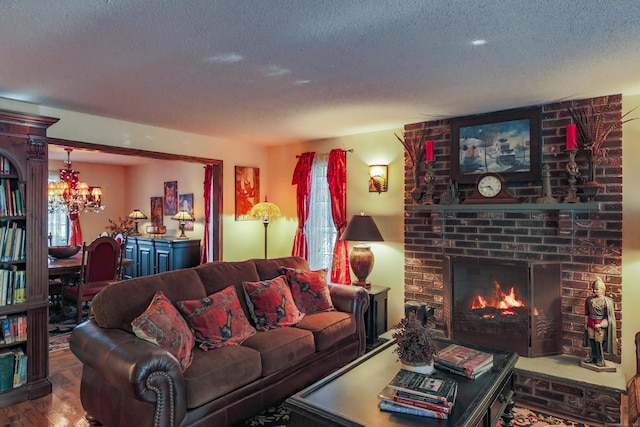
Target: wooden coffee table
(348,397)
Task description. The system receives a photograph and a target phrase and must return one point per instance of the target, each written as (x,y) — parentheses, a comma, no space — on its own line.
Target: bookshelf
(24,305)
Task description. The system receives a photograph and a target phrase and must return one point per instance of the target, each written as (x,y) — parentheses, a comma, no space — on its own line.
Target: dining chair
(101,261)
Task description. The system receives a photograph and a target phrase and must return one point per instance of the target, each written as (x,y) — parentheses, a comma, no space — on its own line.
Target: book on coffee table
(458,371)
(410,399)
(463,360)
(435,386)
(387,406)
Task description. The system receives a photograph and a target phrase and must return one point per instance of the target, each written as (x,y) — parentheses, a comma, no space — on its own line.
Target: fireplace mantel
(510,207)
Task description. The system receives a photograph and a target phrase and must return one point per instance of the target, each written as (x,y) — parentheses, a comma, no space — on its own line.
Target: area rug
(279,416)
(59,342)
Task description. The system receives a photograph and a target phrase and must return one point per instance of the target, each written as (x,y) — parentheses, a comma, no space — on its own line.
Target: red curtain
(302,178)
(208,183)
(337,179)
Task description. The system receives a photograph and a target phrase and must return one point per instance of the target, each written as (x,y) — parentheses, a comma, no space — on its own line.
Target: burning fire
(502,301)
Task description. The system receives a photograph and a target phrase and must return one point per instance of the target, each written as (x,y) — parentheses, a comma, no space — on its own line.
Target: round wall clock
(490,188)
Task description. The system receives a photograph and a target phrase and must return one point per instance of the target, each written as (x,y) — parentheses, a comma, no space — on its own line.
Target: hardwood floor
(62,408)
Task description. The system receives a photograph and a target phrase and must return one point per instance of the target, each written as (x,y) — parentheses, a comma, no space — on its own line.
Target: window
(57,221)
(319,228)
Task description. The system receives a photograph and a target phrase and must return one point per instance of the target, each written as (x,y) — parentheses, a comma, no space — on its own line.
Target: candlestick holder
(573,171)
(429,180)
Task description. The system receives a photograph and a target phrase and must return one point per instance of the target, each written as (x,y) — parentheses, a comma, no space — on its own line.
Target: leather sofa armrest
(146,371)
(355,300)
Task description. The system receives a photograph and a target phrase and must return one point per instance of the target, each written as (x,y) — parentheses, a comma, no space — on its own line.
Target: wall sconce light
(136,216)
(378,178)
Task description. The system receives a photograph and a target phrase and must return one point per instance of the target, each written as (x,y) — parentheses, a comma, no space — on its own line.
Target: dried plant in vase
(593,130)
(415,346)
(120,226)
(415,149)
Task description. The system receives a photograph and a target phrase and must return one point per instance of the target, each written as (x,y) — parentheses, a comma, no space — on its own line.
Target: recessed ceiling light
(479,42)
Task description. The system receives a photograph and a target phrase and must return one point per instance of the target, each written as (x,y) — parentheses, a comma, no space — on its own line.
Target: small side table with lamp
(362,228)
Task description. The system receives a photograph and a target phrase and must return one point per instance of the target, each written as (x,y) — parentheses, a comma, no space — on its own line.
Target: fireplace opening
(512,306)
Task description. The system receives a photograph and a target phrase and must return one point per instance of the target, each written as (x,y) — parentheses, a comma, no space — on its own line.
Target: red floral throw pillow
(162,325)
(309,289)
(271,304)
(218,319)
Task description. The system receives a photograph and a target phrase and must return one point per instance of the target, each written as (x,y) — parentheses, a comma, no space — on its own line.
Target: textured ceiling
(272,72)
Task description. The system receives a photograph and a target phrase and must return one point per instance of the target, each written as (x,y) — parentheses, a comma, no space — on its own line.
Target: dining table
(69,267)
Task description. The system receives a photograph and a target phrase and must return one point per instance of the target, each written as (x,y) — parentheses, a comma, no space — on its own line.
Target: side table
(375,318)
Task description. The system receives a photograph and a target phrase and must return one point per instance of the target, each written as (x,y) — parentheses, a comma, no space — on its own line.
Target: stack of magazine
(414,393)
(465,361)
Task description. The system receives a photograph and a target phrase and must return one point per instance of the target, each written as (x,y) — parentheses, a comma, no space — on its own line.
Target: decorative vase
(588,191)
(423,368)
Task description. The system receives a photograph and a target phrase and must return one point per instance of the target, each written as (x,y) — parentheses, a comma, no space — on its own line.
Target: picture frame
(156,211)
(247,184)
(504,142)
(185,202)
(171,198)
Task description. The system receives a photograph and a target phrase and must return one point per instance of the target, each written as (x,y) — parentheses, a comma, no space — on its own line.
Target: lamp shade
(137,214)
(265,210)
(362,228)
(183,216)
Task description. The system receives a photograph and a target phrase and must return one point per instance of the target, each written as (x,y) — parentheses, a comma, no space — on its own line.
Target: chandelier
(71,195)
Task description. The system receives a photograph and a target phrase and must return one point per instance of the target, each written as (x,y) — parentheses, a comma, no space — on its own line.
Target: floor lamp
(267,211)
(362,228)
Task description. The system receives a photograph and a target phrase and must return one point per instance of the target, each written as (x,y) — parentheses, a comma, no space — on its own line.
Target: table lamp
(362,228)
(183,216)
(136,216)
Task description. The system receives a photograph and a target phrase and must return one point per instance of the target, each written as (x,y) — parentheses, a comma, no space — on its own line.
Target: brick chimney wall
(588,243)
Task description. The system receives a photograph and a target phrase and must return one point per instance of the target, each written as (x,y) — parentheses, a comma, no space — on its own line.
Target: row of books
(465,361)
(432,395)
(6,168)
(13,368)
(12,241)
(12,285)
(11,199)
(13,328)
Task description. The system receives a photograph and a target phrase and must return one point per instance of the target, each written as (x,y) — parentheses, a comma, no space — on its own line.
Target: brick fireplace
(586,240)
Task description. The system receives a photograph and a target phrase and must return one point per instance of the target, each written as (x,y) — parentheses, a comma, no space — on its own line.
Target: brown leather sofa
(127,381)
(633,389)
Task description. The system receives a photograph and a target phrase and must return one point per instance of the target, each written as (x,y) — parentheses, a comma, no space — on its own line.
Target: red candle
(429,157)
(572,137)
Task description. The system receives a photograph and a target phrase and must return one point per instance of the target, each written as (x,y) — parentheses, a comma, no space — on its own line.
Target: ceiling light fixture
(72,195)
(479,42)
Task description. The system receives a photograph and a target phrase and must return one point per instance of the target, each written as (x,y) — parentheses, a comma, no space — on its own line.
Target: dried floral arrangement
(414,148)
(592,127)
(415,341)
(120,226)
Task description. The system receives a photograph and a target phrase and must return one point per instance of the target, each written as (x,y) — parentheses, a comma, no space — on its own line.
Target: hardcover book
(435,386)
(387,406)
(410,399)
(464,359)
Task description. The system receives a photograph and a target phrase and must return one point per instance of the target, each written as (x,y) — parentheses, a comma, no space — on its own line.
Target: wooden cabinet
(23,231)
(151,256)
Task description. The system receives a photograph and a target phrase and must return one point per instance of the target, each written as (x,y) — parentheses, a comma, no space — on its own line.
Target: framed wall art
(504,142)
(171,197)
(185,203)
(156,211)
(247,191)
